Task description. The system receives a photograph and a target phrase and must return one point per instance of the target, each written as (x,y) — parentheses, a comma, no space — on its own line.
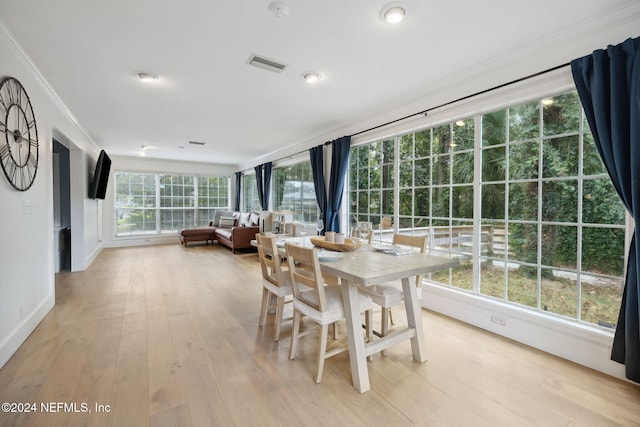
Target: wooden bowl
(348,245)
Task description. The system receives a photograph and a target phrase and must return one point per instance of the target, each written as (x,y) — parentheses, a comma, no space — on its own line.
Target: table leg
(414,320)
(359,369)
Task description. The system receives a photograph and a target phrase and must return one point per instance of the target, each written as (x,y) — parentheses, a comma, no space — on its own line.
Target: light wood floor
(168,336)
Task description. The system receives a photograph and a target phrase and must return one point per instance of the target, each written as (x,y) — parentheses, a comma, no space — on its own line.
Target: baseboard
(121,242)
(579,343)
(15,339)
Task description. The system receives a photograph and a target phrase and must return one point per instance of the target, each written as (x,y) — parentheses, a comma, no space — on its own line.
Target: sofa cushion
(254,218)
(225,233)
(227,221)
(218,213)
(244,219)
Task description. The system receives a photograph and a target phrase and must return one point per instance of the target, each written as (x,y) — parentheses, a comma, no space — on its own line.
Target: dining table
(370,265)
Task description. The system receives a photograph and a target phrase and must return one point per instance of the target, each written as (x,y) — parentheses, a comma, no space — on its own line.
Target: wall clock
(19,147)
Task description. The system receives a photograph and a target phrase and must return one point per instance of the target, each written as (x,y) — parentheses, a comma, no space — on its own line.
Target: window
(158,204)
(176,203)
(548,213)
(213,194)
(545,190)
(295,192)
(135,204)
(251,201)
(371,184)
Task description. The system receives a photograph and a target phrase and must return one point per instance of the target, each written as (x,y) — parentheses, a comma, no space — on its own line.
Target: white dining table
(367,267)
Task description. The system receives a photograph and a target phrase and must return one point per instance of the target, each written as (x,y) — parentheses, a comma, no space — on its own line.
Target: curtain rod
(424,112)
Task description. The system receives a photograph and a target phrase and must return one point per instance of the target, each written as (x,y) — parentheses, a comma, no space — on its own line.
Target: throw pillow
(244,219)
(227,221)
(254,219)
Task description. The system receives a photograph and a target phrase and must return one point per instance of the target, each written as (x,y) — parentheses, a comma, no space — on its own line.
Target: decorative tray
(348,245)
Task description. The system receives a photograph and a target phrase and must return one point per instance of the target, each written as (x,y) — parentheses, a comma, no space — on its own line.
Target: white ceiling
(90,52)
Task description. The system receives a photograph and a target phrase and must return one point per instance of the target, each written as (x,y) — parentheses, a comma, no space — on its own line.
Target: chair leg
(263,306)
(322,350)
(279,310)
(391,316)
(294,334)
(335,330)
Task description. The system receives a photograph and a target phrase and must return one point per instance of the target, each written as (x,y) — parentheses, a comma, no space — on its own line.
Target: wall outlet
(499,320)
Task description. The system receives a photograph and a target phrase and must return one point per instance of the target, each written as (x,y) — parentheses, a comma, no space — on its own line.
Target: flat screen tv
(98,187)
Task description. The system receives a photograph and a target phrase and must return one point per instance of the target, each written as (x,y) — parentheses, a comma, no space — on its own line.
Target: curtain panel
(608,83)
(258,170)
(238,186)
(339,163)
(316,155)
(266,185)
(263,183)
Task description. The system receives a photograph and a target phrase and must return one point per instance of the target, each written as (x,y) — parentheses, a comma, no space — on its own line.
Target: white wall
(142,164)
(27,246)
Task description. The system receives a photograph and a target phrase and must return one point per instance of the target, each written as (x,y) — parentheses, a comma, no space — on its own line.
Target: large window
(545,190)
(550,230)
(156,204)
(295,192)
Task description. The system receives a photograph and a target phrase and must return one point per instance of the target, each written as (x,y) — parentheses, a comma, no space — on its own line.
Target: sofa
(235,230)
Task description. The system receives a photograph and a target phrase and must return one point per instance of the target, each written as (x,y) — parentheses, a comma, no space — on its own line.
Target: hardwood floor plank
(167,335)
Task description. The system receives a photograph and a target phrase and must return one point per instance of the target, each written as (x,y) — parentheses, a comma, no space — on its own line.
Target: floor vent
(267,64)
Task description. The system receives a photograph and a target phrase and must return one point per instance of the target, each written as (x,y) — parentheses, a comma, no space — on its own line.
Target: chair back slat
(270,261)
(304,269)
(419,242)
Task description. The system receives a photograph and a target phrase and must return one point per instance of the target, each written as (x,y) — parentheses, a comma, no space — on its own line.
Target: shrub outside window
(548,213)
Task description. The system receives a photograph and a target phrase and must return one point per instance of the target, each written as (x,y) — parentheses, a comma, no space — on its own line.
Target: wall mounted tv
(98,187)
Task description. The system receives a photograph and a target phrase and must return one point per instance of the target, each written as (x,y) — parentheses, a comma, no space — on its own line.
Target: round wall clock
(19,148)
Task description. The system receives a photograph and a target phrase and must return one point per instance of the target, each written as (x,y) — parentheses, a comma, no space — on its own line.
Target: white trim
(19,335)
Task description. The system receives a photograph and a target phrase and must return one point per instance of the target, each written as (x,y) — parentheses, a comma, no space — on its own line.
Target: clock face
(18,135)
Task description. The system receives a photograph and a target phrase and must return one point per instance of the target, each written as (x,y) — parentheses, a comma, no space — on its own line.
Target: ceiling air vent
(266,63)
(197,143)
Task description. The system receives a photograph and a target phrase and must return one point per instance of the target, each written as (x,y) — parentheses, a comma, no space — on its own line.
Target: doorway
(61,206)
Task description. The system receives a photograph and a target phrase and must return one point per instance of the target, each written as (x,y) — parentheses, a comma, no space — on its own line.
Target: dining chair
(276,283)
(320,303)
(388,295)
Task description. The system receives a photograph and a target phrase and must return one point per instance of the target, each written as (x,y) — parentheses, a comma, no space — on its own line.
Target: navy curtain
(317,169)
(263,183)
(258,170)
(238,186)
(608,83)
(339,164)
(266,185)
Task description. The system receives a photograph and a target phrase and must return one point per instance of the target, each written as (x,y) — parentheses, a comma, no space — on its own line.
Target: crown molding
(32,69)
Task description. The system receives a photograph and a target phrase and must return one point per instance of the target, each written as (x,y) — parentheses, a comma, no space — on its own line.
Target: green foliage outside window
(549,213)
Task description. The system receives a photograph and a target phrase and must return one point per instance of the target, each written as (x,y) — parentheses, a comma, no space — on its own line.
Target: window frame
(159,209)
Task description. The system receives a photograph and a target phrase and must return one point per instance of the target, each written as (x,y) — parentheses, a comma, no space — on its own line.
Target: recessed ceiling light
(393,13)
(311,77)
(279,9)
(147,77)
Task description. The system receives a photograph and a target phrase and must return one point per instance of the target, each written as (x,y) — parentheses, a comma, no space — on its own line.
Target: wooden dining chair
(388,295)
(320,303)
(276,283)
